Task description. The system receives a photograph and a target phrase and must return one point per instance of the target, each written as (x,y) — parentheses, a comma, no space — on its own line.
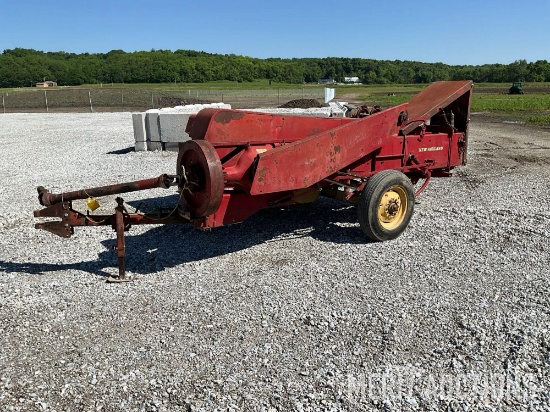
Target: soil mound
(302,104)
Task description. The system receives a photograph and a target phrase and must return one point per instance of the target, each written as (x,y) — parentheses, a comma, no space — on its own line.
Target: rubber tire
(369,201)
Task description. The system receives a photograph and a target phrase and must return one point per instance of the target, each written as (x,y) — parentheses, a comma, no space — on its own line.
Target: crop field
(533,107)
(112,99)
(492,100)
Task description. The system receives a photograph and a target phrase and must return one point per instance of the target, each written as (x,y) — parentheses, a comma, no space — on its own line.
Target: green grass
(531,107)
(385,100)
(503,102)
(539,120)
(216,85)
(508,85)
(366,90)
(480,102)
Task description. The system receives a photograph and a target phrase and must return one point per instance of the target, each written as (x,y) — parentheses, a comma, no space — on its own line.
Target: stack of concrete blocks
(164,129)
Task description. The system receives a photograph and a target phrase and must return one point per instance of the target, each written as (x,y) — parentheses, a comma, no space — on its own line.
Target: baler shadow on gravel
(239,162)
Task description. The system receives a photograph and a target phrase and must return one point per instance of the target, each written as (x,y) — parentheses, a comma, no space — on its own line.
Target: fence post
(122,92)
(152,103)
(3,104)
(278,96)
(46,98)
(90,98)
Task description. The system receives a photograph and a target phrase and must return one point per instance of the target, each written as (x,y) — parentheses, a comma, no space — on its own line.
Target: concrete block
(141,147)
(139,127)
(173,121)
(172,146)
(152,130)
(152,146)
(166,125)
(172,127)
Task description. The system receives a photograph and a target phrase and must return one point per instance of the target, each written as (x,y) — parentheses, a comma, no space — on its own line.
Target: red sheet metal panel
(436,96)
(231,127)
(307,161)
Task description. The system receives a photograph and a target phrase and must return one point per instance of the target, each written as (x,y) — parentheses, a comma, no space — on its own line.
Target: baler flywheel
(202,179)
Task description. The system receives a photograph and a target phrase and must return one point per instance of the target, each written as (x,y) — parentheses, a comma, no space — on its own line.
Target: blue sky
(453,32)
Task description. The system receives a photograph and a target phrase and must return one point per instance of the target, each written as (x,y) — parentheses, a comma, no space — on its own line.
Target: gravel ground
(291,310)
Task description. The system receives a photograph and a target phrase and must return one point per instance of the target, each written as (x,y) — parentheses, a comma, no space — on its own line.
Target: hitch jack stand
(121,243)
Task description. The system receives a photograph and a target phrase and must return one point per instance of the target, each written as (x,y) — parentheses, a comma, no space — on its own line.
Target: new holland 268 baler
(238,162)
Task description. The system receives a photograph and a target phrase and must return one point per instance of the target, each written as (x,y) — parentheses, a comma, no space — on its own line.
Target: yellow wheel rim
(392,208)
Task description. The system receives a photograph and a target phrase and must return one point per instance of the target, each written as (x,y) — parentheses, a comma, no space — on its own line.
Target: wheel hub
(392,207)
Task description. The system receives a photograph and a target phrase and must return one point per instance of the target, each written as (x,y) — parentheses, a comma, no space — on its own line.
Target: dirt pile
(302,104)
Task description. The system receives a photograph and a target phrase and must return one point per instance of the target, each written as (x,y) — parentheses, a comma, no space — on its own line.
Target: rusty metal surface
(67,218)
(309,160)
(202,179)
(363,111)
(436,96)
(230,127)
(443,103)
(47,199)
(121,242)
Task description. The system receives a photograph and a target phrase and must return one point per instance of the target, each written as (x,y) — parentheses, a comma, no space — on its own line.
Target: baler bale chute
(239,162)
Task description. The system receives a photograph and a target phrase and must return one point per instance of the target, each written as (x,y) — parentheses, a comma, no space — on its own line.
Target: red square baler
(238,162)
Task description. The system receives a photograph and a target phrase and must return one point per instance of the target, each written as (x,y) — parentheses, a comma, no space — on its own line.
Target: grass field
(532,107)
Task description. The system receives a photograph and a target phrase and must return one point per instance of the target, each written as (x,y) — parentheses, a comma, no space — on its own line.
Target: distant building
(351,80)
(46,84)
(326,81)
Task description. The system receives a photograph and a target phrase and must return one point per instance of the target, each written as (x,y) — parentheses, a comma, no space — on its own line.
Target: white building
(351,80)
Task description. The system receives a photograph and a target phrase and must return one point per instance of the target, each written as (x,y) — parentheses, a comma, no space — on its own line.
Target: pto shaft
(164,181)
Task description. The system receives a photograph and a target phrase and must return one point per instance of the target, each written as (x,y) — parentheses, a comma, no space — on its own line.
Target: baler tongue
(59,207)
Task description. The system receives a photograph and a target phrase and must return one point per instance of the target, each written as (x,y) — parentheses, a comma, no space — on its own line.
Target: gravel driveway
(292,309)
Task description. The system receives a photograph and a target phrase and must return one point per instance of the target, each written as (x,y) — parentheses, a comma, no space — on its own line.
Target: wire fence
(130,99)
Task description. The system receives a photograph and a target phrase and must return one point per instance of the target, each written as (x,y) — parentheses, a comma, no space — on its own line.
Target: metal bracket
(68,218)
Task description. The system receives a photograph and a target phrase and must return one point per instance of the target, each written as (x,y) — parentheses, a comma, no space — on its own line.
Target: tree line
(24,67)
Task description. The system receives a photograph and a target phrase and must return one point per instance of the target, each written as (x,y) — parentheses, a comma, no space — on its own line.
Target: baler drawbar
(239,162)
